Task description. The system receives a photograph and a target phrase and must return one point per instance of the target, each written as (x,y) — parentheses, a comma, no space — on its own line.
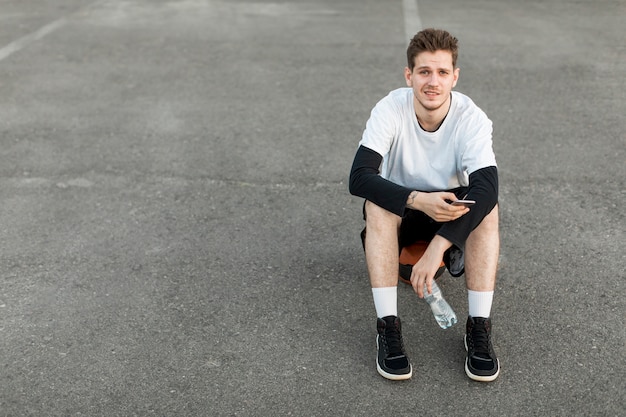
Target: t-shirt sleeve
(380,128)
(477,152)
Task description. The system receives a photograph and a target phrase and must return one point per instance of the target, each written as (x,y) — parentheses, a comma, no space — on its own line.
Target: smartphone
(465,203)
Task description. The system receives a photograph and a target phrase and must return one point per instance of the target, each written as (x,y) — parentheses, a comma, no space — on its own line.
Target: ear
(407,77)
(456,76)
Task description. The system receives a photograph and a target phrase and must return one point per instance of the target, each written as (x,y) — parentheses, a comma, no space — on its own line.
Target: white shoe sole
(394,377)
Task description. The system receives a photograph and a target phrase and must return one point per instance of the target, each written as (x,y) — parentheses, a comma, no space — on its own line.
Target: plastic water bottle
(442,311)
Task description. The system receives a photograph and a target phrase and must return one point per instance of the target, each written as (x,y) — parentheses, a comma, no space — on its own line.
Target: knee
(378,217)
(491,220)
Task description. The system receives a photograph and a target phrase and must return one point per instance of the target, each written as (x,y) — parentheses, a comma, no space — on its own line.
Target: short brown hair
(432,40)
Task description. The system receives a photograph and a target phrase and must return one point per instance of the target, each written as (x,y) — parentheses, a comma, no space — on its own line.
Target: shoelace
(480,342)
(393,342)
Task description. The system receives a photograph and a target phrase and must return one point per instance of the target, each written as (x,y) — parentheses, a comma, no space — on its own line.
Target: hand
(425,269)
(436,206)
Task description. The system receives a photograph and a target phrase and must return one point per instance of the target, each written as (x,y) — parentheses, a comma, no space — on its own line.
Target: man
(424,147)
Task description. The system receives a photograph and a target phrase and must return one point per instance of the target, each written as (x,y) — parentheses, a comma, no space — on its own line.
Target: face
(432,79)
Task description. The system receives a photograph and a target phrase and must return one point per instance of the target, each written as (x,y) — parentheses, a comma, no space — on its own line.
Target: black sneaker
(481,363)
(392,362)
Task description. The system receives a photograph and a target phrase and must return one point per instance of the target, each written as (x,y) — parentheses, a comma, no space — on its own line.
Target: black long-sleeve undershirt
(366,182)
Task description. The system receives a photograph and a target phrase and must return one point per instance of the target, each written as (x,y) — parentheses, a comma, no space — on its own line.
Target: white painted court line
(412,21)
(24,41)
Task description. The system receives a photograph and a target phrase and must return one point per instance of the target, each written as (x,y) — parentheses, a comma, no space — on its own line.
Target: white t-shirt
(429,161)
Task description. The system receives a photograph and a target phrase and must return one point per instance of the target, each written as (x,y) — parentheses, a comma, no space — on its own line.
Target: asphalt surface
(178,238)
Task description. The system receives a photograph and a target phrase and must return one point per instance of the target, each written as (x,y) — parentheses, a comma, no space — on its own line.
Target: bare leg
(381,245)
(481,263)
(482,250)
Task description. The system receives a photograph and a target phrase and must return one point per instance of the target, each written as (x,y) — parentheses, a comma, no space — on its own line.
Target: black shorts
(416,225)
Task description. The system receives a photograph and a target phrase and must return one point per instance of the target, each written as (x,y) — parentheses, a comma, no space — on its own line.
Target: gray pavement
(178,238)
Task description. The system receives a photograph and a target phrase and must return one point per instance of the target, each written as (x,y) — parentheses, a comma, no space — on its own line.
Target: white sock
(479,303)
(386,301)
